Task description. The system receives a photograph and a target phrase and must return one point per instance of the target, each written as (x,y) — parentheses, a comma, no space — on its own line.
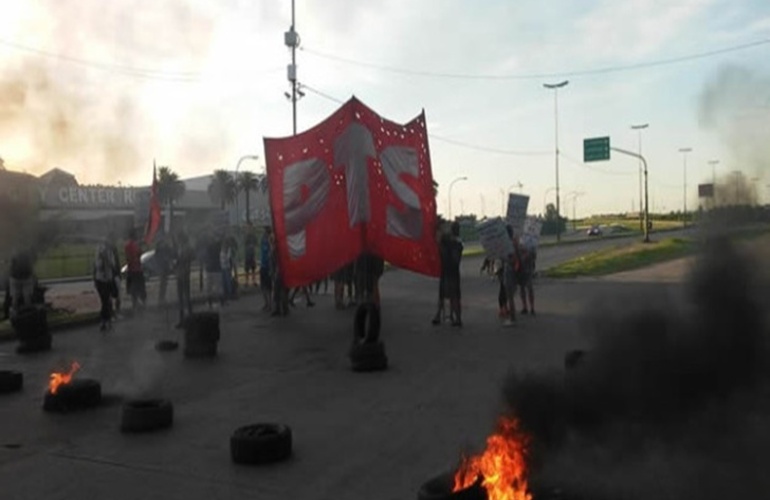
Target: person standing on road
(21,280)
(443,249)
(115,288)
(265,268)
(510,270)
(164,258)
(250,255)
(213,266)
(184,256)
(104,280)
(135,286)
(526,274)
(452,282)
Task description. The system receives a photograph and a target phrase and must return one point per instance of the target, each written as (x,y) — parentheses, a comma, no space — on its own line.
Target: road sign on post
(596,149)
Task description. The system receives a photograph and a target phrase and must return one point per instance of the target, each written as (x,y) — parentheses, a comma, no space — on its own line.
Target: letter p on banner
(354,183)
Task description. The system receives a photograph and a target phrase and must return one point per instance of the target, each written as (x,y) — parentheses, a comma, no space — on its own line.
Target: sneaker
(508,322)
(436,321)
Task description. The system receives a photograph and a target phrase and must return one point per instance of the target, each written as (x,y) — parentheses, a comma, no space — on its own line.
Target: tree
(222,188)
(170,189)
(552,222)
(247,182)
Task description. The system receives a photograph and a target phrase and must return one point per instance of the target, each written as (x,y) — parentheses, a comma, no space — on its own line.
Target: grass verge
(613,260)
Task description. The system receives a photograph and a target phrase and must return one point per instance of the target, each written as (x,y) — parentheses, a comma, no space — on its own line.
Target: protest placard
(530,236)
(494,238)
(517,212)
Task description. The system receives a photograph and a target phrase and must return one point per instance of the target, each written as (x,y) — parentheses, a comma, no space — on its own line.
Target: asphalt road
(375,436)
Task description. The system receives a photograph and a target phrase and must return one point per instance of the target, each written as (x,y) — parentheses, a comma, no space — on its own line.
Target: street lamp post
(555,87)
(639,129)
(450,193)
(684,152)
(237,167)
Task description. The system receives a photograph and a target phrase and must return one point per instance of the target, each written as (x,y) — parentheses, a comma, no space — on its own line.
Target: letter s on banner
(397,160)
(305,191)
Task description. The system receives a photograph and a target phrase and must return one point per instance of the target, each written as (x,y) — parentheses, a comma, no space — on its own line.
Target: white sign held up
(494,238)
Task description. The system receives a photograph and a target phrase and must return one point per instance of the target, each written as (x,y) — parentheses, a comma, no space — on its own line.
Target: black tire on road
(10,381)
(367,331)
(368,357)
(261,444)
(201,334)
(167,345)
(30,323)
(79,394)
(146,415)
(440,488)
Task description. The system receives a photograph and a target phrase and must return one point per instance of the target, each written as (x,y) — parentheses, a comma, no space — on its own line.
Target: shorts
(265,278)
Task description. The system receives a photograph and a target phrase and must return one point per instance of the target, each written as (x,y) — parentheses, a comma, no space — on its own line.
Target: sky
(101,89)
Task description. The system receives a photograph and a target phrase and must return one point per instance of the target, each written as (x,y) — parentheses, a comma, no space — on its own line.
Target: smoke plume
(668,388)
(735,104)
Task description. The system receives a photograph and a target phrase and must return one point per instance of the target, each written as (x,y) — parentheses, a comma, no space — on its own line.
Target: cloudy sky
(102,88)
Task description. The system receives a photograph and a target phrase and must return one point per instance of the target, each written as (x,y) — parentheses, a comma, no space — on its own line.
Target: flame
(58,379)
(501,467)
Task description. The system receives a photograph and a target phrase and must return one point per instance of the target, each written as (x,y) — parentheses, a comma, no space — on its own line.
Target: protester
(526,274)
(164,263)
(213,266)
(510,268)
(21,280)
(280,292)
(502,296)
(452,282)
(265,269)
(115,288)
(135,285)
(340,279)
(184,254)
(368,271)
(442,240)
(227,264)
(306,292)
(104,280)
(250,255)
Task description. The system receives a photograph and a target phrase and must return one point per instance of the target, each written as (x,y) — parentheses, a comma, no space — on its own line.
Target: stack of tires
(31,326)
(201,335)
(367,353)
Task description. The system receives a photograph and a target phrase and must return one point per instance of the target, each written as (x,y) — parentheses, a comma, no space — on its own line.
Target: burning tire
(201,334)
(440,488)
(167,345)
(362,334)
(368,357)
(10,381)
(77,395)
(260,444)
(146,415)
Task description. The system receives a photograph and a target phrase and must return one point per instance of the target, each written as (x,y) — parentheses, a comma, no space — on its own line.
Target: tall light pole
(574,195)
(684,152)
(450,193)
(555,87)
(237,167)
(639,129)
(291,39)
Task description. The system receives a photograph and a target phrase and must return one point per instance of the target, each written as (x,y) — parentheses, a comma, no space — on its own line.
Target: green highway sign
(596,149)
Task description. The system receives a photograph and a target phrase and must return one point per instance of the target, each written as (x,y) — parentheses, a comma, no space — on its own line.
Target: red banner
(354,183)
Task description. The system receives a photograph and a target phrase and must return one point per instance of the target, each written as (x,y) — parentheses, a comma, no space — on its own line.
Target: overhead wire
(537,76)
(438,137)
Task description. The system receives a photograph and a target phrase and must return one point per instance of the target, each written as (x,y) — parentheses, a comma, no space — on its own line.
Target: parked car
(594,231)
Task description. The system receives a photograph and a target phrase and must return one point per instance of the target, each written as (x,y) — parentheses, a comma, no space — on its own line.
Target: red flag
(153,220)
(354,183)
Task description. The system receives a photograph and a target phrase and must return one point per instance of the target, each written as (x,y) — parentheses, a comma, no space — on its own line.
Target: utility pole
(291,39)
(684,152)
(639,129)
(646,191)
(555,87)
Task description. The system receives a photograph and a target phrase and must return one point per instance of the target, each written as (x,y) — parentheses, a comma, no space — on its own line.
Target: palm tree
(170,189)
(247,182)
(222,189)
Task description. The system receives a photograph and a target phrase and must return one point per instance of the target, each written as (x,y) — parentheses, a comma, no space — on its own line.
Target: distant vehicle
(594,231)
(149,265)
